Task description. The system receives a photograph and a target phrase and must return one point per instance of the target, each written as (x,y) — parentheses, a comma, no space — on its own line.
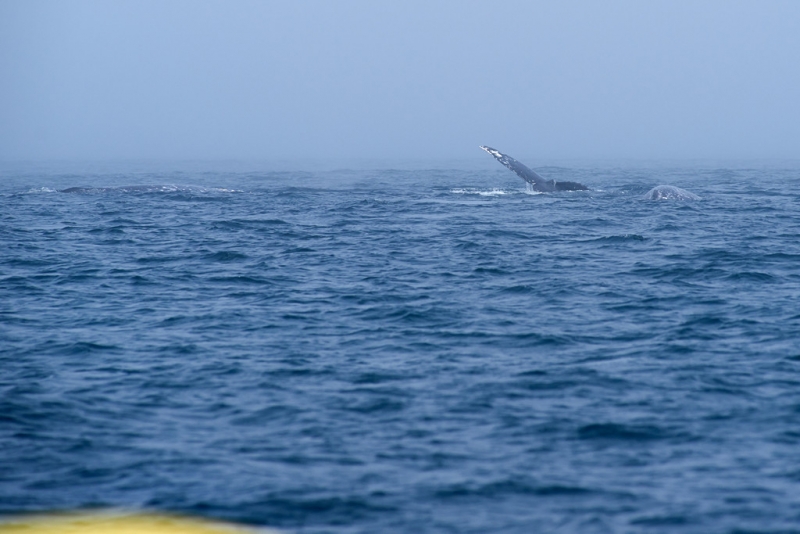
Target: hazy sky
(265,79)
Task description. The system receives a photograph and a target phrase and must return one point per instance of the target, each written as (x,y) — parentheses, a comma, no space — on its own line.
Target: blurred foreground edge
(120,522)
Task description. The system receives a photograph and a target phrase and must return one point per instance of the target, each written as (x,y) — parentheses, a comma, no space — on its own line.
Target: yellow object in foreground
(120,523)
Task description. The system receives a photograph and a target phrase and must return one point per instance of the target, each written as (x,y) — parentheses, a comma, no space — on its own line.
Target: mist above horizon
(435,79)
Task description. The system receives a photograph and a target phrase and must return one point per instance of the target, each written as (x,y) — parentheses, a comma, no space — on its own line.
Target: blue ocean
(398,347)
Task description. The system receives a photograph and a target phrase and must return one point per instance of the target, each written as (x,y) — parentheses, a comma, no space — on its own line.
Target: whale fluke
(669,192)
(537,182)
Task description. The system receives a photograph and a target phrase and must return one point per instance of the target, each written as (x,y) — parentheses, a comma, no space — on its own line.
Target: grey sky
(412,79)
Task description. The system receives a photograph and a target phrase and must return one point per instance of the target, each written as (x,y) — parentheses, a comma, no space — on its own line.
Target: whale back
(669,192)
(570,186)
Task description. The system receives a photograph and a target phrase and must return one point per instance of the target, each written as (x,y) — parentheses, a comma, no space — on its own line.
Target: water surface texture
(360,351)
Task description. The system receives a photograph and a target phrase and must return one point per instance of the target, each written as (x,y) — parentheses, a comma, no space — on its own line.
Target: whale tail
(538,183)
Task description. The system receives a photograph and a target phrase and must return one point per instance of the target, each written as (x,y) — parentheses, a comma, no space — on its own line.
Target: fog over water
(413,79)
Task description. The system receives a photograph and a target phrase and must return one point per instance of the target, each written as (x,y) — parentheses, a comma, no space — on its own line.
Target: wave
(156,188)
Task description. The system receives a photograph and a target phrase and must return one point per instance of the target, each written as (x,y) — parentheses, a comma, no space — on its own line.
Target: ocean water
(392,349)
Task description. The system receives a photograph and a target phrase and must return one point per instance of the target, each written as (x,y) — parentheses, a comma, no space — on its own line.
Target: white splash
(493,193)
(41,190)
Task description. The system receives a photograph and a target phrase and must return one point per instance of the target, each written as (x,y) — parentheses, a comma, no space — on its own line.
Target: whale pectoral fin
(539,183)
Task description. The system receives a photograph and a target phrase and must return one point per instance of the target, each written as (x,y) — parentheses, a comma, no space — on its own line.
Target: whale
(659,192)
(537,182)
(669,192)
